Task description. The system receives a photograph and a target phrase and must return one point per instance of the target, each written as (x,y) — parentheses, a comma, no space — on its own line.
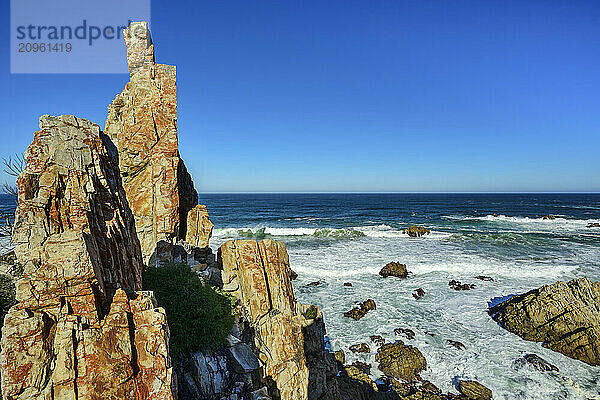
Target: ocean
(338,238)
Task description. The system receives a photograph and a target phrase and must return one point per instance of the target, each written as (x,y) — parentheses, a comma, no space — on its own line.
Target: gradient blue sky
(361,96)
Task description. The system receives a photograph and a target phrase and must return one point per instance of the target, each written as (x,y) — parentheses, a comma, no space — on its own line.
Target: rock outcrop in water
(394,269)
(416,231)
(290,345)
(563,316)
(142,122)
(81,329)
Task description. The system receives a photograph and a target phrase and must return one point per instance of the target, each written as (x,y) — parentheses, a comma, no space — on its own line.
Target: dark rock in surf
(419,293)
(401,362)
(536,362)
(394,269)
(594,225)
(416,231)
(474,390)
(549,217)
(484,278)
(456,344)
(457,285)
(408,333)
(361,310)
(360,348)
(378,340)
(347,284)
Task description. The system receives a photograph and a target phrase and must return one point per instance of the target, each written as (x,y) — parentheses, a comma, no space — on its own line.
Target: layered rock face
(564,316)
(199,227)
(79,330)
(142,122)
(290,345)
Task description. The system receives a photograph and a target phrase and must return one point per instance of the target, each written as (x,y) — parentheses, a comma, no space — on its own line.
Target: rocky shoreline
(98,208)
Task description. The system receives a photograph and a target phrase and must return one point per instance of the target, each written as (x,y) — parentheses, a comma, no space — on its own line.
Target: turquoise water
(337,238)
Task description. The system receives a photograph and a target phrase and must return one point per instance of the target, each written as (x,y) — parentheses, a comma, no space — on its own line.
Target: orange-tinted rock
(258,274)
(79,329)
(142,122)
(199,227)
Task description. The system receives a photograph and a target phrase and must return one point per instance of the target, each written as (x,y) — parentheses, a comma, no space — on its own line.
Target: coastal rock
(474,390)
(142,123)
(408,333)
(593,225)
(364,367)
(457,285)
(416,231)
(290,347)
(349,284)
(199,227)
(536,362)
(401,362)
(361,309)
(360,348)
(484,278)
(394,269)
(79,329)
(563,316)
(549,217)
(418,294)
(456,344)
(378,340)
(340,356)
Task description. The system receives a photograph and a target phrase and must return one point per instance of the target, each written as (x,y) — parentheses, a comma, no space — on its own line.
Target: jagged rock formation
(399,361)
(394,269)
(79,330)
(142,122)
(416,231)
(288,337)
(563,316)
(474,390)
(199,227)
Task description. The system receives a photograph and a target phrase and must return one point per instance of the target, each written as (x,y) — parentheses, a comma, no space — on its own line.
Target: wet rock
(142,123)
(399,361)
(593,225)
(416,231)
(430,388)
(474,390)
(408,333)
(536,362)
(549,217)
(394,269)
(360,348)
(313,284)
(364,367)
(418,294)
(484,278)
(563,316)
(347,284)
(293,275)
(456,344)
(340,356)
(82,323)
(361,310)
(457,285)
(377,339)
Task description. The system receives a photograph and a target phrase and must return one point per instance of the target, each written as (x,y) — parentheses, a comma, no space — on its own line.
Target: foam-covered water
(348,238)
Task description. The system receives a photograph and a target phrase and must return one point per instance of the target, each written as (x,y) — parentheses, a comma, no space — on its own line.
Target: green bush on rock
(199,316)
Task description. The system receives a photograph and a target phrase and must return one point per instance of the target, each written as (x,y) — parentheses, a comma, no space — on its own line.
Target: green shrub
(199,316)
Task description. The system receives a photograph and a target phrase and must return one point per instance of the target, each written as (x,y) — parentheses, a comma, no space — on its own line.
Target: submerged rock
(536,362)
(484,278)
(377,339)
(394,269)
(360,348)
(418,294)
(456,344)
(457,285)
(474,390)
(416,231)
(563,316)
(81,324)
(361,310)
(399,361)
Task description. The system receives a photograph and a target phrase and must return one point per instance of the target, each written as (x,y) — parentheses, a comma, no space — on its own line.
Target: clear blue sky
(361,96)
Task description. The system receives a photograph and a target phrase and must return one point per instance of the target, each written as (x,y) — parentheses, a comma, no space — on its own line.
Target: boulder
(199,227)
(563,316)
(416,231)
(549,217)
(81,324)
(593,225)
(361,309)
(401,362)
(394,269)
(360,348)
(536,362)
(377,339)
(142,123)
(418,294)
(474,390)
(349,284)
(291,348)
(457,285)
(408,333)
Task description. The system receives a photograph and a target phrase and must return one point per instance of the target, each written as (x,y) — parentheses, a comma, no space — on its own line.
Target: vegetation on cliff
(200,317)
